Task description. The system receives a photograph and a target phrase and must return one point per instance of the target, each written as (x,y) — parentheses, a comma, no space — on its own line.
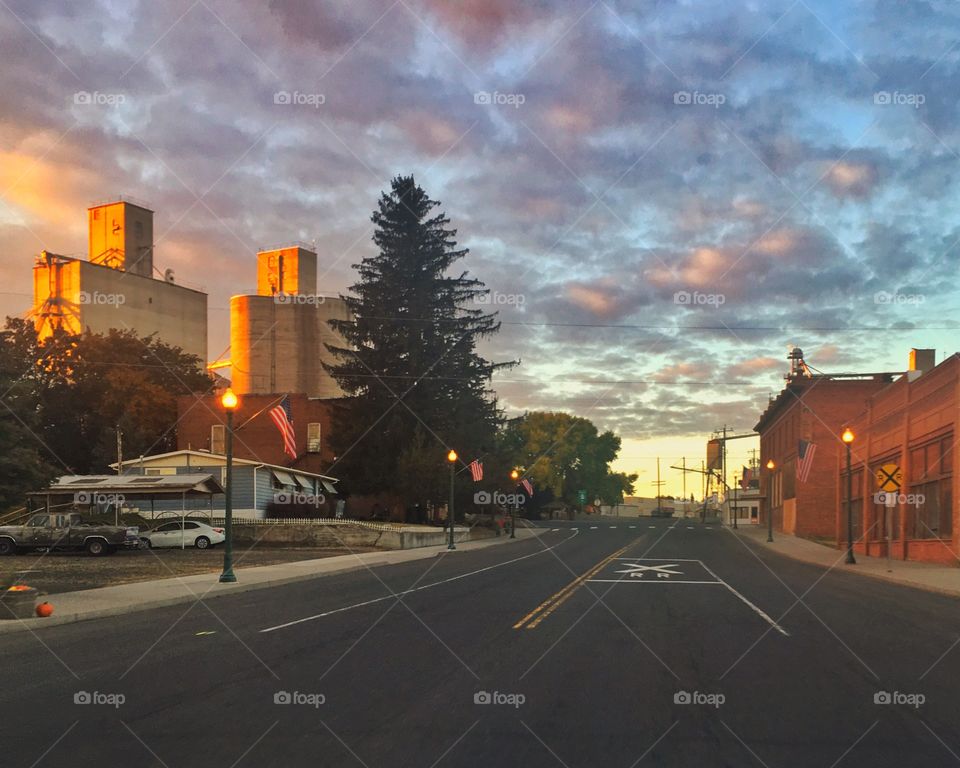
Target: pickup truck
(66,531)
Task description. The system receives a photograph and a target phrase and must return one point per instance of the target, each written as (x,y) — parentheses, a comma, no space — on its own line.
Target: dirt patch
(57,572)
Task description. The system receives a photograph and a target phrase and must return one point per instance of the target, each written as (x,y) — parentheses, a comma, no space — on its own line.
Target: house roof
(198,484)
(218,459)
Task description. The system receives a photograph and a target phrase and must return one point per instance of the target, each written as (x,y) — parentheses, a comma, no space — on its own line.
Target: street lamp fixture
(229,402)
(514,475)
(771,465)
(848,438)
(452,461)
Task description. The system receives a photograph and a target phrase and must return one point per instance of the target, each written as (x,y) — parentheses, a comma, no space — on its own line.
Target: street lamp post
(514,475)
(229,402)
(770,468)
(848,438)
(452,459)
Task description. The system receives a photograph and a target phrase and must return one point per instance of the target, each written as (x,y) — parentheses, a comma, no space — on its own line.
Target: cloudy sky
(662,195)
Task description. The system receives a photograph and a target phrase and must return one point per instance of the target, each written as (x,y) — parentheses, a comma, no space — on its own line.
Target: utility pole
(658,483)
(684,464)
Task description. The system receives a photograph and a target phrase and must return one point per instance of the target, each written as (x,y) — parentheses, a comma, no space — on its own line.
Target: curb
(10,626)
(888,578)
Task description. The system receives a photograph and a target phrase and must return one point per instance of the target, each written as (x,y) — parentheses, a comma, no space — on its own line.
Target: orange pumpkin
(44,609)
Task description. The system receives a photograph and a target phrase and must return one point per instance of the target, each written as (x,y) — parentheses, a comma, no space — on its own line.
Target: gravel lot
(58,572)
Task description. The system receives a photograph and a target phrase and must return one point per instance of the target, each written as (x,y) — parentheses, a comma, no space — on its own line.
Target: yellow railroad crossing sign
(889,478)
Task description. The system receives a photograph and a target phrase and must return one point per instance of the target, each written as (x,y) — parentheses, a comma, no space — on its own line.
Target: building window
(856,504)
(313,437)
(790,479)
(217,438)
(930,497)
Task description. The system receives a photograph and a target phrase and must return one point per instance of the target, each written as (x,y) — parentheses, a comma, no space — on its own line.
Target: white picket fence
(368,524)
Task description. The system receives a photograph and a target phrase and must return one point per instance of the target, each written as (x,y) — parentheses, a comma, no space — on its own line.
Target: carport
(103,492)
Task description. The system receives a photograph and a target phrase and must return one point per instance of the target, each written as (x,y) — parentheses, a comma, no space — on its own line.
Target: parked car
(66,531)
(187,533)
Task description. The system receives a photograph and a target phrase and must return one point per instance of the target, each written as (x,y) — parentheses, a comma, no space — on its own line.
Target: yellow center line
(553,602)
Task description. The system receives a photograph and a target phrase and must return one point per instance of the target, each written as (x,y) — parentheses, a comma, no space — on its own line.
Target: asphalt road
(657,645)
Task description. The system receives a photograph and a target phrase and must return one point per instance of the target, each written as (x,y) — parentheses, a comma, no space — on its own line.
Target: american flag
(805,451)
(746,478)
(283,418)
(476,470)
(527,486)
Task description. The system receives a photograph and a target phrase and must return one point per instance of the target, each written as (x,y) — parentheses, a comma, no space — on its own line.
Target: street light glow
(847,436)
(452,456)
(770,464)
(229,400)
(514,474)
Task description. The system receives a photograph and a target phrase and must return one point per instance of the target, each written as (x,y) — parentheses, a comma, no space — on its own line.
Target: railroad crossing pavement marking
(639,570)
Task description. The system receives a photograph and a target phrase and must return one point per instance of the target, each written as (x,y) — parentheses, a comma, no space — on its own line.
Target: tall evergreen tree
(412,366)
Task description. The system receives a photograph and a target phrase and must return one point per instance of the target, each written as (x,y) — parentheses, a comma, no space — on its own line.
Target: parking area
(58,572)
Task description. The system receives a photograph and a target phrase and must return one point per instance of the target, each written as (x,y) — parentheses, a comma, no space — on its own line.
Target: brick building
(912,423)
(202,426)
(813,408)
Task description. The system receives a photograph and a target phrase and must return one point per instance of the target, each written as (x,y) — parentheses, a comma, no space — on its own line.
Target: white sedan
(189,533)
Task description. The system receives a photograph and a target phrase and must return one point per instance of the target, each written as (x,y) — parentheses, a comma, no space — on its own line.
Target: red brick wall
(256,437)
(905,415)
(817,412)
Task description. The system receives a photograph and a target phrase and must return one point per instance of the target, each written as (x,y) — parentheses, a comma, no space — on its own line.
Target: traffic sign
(582,497)
(889,478)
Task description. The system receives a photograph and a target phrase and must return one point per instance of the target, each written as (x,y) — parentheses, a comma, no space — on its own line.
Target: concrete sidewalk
(126,598)
(928,576)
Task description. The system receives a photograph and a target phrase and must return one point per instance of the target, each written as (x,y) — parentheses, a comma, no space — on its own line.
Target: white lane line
(612,527)
(689,527)
(649,581)
(418,589)
(593,527)
(554,530)
(651,526)
(631,526)
(759,611)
